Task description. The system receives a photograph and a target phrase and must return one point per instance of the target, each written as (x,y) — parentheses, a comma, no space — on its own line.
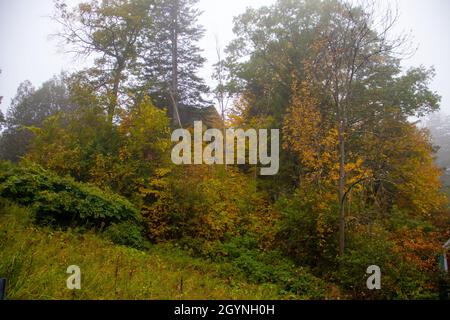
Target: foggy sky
(27,53)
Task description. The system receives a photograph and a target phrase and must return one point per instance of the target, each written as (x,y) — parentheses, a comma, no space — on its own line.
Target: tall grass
(34,260)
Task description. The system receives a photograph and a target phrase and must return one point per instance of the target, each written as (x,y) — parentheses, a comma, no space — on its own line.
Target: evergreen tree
(171,58)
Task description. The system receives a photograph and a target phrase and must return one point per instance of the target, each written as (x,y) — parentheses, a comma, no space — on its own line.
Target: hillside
(34,260)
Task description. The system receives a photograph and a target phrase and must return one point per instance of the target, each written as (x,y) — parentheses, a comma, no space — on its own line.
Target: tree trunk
(342,183)
(115,91)
(174,86)
(114,98)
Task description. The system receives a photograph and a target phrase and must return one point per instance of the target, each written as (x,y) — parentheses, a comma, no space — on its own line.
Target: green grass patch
(35,259)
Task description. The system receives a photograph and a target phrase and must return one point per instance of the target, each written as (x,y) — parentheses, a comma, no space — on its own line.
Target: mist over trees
(358,185)
(439,126)
(140,47)
(30,108)
(2,117)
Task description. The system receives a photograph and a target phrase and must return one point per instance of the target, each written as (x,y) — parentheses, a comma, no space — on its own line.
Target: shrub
(306,230)
(118,157)
(126,234)
(62,201)
(206,203)
(401,276)
(243,256)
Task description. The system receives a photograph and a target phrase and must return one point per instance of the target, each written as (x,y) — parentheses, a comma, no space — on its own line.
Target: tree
(345,58)
(31,107)
(264,61)
(223,90)
(171,58)
(403,156)
(270,45)
(109,31)
(122,158)
(348,49)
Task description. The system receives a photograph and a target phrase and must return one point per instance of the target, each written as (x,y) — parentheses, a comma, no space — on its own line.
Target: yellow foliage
(404,157)
(204,202)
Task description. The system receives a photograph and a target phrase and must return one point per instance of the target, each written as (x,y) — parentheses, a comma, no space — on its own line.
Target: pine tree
(171,58)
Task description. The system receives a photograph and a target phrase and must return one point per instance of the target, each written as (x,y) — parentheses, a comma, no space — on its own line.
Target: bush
(243,256)
(401,276)
(119,157)
(306,231)
(126,234)
(62,201)
(206,203)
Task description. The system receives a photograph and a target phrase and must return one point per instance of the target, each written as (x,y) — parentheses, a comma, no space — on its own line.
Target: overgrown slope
(34,260)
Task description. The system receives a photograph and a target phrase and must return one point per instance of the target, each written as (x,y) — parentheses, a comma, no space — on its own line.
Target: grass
(35,260)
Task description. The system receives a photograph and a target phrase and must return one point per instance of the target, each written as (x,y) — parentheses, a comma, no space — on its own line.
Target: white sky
(26,53)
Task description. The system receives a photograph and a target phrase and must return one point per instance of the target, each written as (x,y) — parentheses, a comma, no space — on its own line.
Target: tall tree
(264,61)
(350,63)
(266,56)
(348,49)
(108,31)
(171,57)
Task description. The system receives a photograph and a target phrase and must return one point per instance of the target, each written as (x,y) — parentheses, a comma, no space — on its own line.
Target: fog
(27,53)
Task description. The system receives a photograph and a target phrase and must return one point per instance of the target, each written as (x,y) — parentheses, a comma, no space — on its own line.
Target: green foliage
(306,231)
(62,200)
(355,174)
(261,267)
(243,256)
(127,234)
(210,202)
(35,261)
(402,277)
(404,246)
(122,158)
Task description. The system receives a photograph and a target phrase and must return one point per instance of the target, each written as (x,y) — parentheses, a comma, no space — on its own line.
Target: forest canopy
(358,183)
